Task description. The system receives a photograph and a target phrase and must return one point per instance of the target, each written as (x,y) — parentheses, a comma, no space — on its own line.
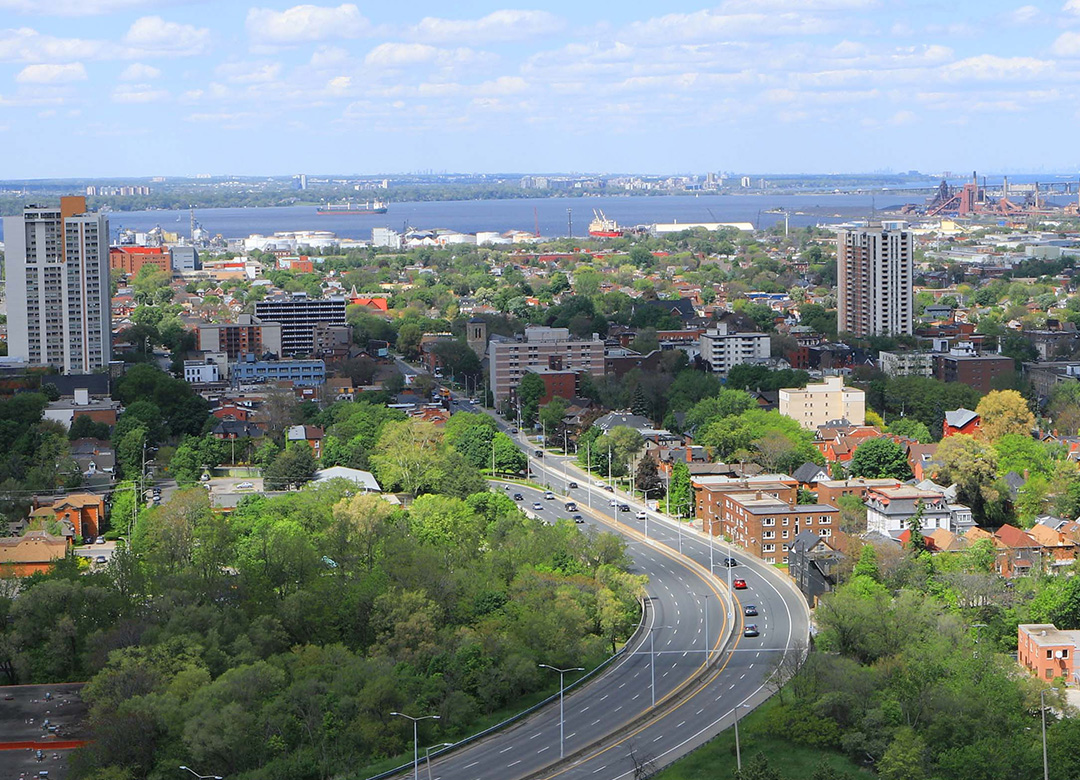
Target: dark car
(538,453)
(513,430)
(624,507)
(572,485)
(739,584)
(751,631)
(578,519)
(729,562)
(609,488)
(519,497)
(750,610)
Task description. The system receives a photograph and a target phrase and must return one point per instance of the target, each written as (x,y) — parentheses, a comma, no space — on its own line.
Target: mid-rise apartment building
(895,364)
(248,334)
(131,259)
(540,348)
(298,314)
(722,348)
(818,404)
(710,490)
(302,373)
(875,270)
(58,287)
(767,526)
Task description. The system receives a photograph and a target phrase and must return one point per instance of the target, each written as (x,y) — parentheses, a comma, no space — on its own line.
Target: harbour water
(549,215)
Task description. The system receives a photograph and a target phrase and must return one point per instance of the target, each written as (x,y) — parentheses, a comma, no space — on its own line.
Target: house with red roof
(1018,552)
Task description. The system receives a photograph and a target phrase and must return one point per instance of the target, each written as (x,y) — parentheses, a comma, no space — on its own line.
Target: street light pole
(427,755)
(738,752)
(562,721)
(201,777)
(416,741)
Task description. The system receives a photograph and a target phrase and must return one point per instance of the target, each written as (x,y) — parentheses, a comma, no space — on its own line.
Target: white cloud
(306,23)
(1025,14)
(1067,44)
(403,55)
(903,118)
(52,74)
(1072,7)
(249,72)
(154,35)
(799,5)
(990,67)
(28,45)
(138,93)
(339,85)
(504,25)
(710,25)
(137,71)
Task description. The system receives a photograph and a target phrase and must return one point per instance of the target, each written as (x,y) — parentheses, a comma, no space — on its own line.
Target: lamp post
(588,469)
(416,741)
(201,777)
(977,627)
(427,755)
(562,673)
(738,752)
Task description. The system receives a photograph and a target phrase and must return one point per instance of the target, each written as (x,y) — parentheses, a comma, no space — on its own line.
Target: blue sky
(167,87)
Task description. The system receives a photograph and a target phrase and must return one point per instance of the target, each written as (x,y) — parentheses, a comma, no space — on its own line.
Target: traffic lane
(616,698)
(740,676)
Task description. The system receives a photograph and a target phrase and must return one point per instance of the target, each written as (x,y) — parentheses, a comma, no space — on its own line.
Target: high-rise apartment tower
(875,268)
(58,287)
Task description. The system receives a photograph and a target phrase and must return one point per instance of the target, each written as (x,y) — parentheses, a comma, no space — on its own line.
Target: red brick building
(1046,651)
(131,259)
(767,526)
(978,371)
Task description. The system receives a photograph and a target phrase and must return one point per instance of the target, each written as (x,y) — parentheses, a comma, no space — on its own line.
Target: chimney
(689,455)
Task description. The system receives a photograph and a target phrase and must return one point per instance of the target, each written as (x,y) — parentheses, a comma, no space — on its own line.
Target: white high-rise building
(722,348)
(875,270)
(59,310)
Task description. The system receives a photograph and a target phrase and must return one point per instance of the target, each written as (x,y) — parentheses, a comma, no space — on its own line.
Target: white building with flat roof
(722,348)
(823,403)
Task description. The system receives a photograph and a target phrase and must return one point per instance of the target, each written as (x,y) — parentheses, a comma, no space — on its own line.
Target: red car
(739,584)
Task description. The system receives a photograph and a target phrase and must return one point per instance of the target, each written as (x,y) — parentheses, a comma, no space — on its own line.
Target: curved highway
(611,728)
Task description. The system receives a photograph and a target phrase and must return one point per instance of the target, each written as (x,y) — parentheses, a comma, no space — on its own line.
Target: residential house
(889,509)
(311,434)
(84,511)
(1018,552)
(1059,545)
(920,458)
(830,491)
(837,442)
(709,491)
(812,564)
(96,459)
(33,553)
(962,421)
(809,474)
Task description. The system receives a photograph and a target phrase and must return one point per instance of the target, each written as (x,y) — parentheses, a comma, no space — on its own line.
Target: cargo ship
(602,227)
(367,207)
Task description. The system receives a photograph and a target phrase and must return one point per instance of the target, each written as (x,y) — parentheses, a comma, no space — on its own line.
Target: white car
(537,506)
(246,486)
(640,515)
(612,502)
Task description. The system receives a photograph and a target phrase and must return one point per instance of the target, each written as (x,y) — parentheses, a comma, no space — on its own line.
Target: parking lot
(33,718)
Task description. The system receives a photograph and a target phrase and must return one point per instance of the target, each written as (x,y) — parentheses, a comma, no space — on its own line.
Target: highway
(611,729)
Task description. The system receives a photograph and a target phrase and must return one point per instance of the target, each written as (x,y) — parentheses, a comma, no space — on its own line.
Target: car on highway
(613,502)
(609,488)
(571,486)
(729,562)
(246,486)
(578,519)
(624,507)
(641,515)
(751,630)
(739,584)
(513,430)
(537,506)
(519,497)
(750,610)
(549,495)
(538,453)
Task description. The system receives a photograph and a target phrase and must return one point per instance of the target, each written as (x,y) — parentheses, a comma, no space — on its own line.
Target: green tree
(84,427)
(647,478)
(1004,412)
(552,413)
(682,493)
(880,458)
(911,429)
(867,565)
(530,390)
(916,542)
(293,468)
(905,758)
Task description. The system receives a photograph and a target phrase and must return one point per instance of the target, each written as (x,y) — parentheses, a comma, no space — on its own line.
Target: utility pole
(562,688)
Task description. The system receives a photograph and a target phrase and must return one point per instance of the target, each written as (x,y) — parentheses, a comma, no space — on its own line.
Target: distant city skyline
(114,88)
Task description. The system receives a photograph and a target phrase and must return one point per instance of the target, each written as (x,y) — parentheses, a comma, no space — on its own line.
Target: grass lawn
(716,760)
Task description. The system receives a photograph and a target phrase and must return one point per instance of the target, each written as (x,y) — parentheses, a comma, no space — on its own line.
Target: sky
(115,88)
